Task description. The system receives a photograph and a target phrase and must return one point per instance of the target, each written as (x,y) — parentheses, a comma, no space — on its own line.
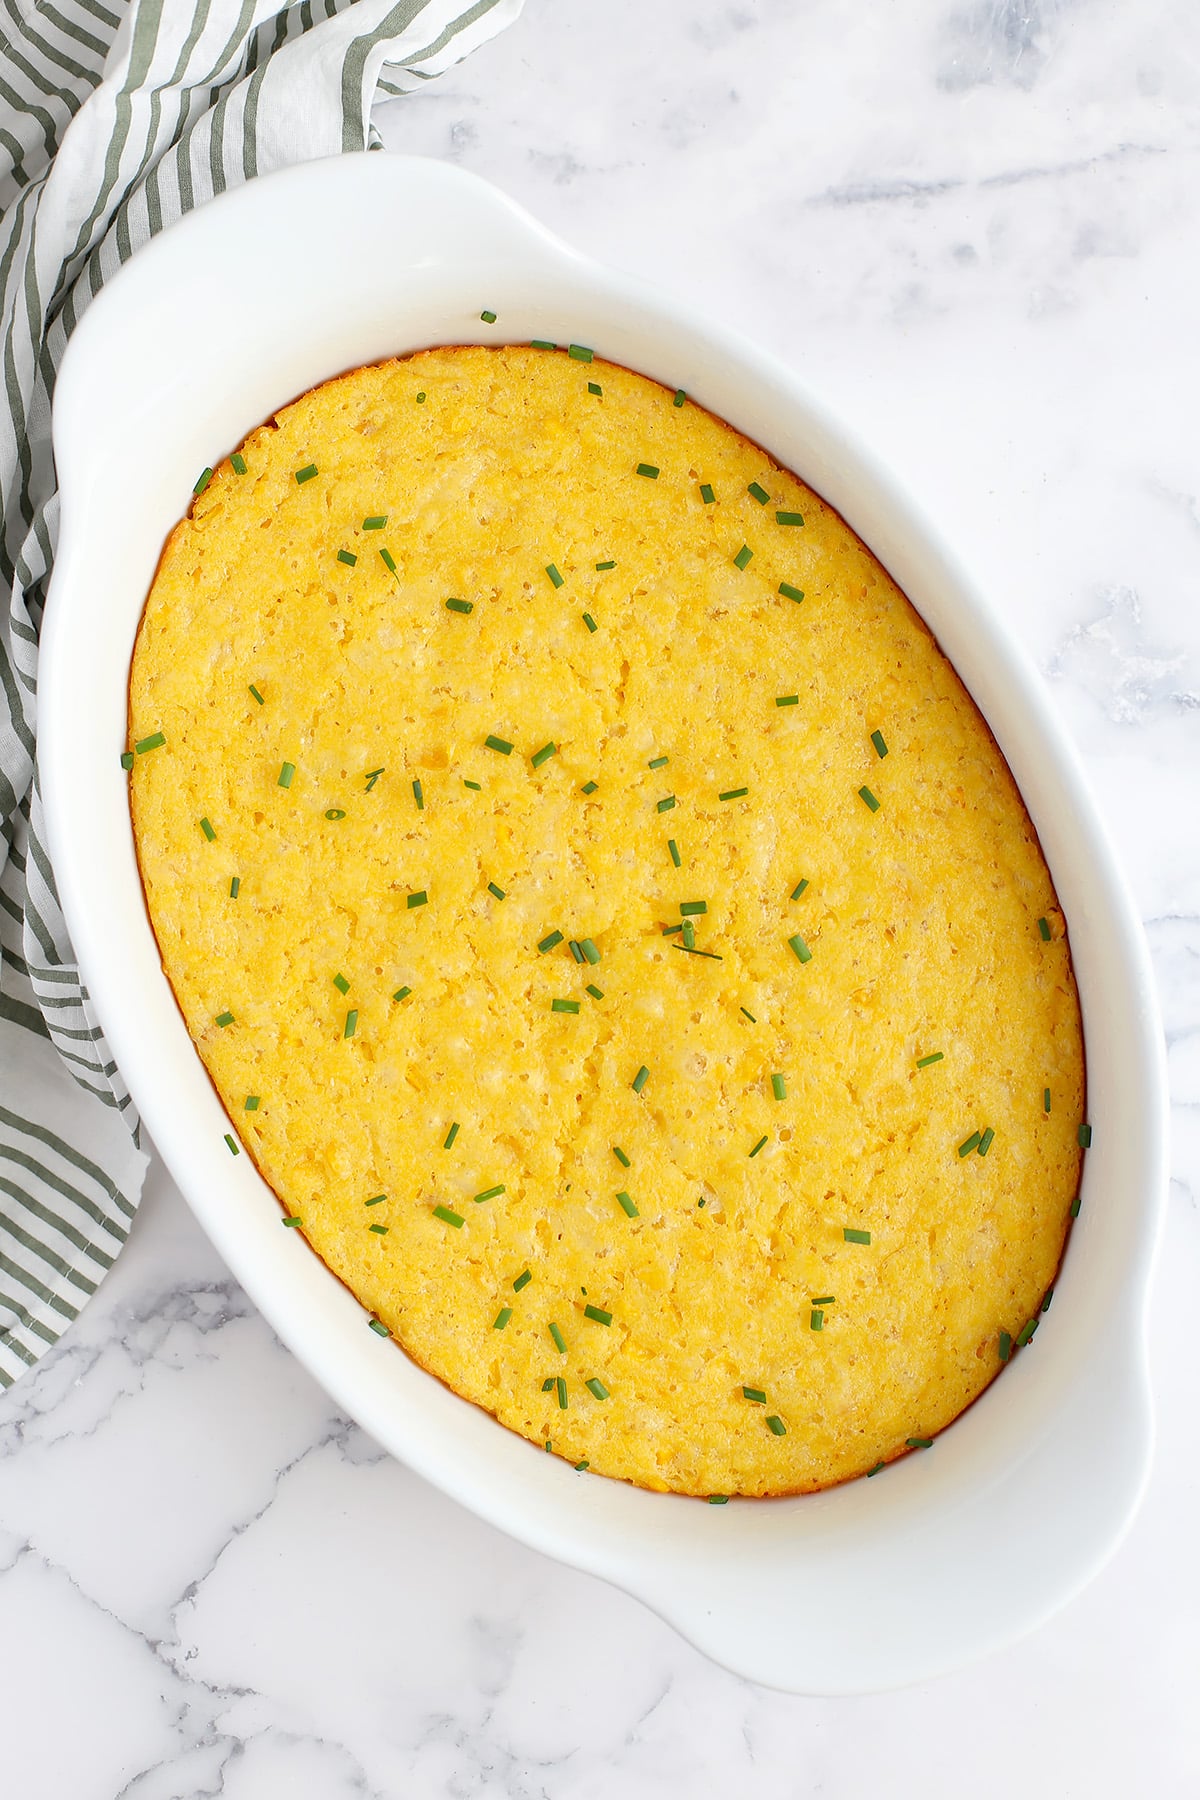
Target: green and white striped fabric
(116,116)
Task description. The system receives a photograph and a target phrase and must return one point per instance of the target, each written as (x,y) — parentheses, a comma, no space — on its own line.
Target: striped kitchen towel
(116,116)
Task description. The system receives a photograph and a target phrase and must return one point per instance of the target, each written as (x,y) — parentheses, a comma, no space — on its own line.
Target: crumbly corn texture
(919,920)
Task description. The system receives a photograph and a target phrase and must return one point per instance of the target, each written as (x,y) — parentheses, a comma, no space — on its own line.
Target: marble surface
(972,225)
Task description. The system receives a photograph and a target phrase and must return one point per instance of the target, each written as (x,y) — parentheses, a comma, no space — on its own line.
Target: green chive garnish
(627,1206)
(789,592)
(543,755)
(233,1149)
(598,1313)
(640,1079)
(460,606)
(621,1156)
(541,344)
(372,776)
(522,1280)
(718,1499)
(743,557)
(402,993)
(419,899)
(579,352)
(868,798)
(237,463)
(256,694)
(376,522)
(969,1144)
(595,1386)
(589,621)
(789,518)
(1048,1297)
(1026,1332)
(756,1394)
(564,1006)
(649,470)
(594,991)
(691,950)
(881,748)
(351,1025)
(589,950)
(419,796)
(816,1319)
(600,567)
(284,778)
(579,1467)
(749,1015)
(876,1469)
(208,831)
(985,1141)
(554,575)
(1005,1346)
(475,786)
(548,943)
(203,481)
(595,388)
(762,1140)
(776,1426)
(798,889)
(341,984)
(787,699)
(670,930)
(500,744)
(660,762)
(378,1326)
(1045,1099)
(127,759)
(448,1217)
(918,1443)
(1084,1136)
(925,1062)
(758,493)
(502,1317)
(800,948)
(380,1230)
(154,742)
(665,805)
(822,1300)
(420,399)
(252,1103)
(733,794)
(851,1236)
(692,907)
(498,892)
(376,1200)
(1044,928)
(489,318)
(561,1389)
(348,557)
(307,473)
(679,398)
(450,1135)
(224,1019)
(489,1194)
(576,952)
(335,812)
(560,1342)
(706,494)
(388,560)
(779,1087)
(673,847)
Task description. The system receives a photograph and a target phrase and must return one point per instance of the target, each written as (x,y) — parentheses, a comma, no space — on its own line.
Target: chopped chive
(548,943)
(670,930)
(598,1314)
(665,805)
(341,984)
(801,949)
(543,755)
(375,1200)
(749,1015)
(733,794)
(380,1230)
(627,1206)
(448,1217)
(500,744)
(208,831)
(660,762)
(293,1221)
(1045,1099)
(372,776)
(376,522)
(1044,928)
(203,480)
(691,950)
(388,560)
(816,1319)
(852,1236)
(475,786)
(284,778)
(460,606)
(926,1062)
(743,558)
(758,493)
(649,470)
(1026,1332)
(224,1019)
(679,397)
(556,579)
(985,1141)
(776,1426)
(497,891)
(969,1144)
(579,1467)
(561,1390)
(450,1135)
(589,950)
(589,621)
(335,812)
(673,847)
(621,1156)
(589,787)
(502,1317)
(595,388)
(256,694)
(762,1140)
(154,742)
(787,699)
(560,1342)
(718,1499)
(420,399)
(689,936)
(378,1326)
(798,889)
(779,1087)
(576,952)
(918,1443)
(237,463)
(1047,1298)
(640,1079)
(564,1006)
(595,1386)
(306,473)
(579,353)
(351,1025)
(421,898)
(127,759)
(348,557)
(823,1300)
(789,592)
(693,908)
(523,1280)
(1084,1137)
(252,1103)
(541,344)
(489,1193)
(419,795)
(594,991)
(1005,1346)
(402,993)
(878,741)
(233,1149)
(879,1465)
(706,494)
(756,1394)
(602,566)
(789,518)
(489,318)
(868,798)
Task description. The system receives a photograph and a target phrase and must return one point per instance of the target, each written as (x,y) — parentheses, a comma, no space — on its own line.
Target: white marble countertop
(972,226)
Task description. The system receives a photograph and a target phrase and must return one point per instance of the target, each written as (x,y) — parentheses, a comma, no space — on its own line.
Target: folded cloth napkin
(116,116)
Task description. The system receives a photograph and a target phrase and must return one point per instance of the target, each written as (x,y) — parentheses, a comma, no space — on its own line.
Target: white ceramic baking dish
(225,317)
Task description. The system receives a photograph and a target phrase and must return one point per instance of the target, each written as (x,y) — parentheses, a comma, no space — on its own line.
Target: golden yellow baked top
(612,929)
